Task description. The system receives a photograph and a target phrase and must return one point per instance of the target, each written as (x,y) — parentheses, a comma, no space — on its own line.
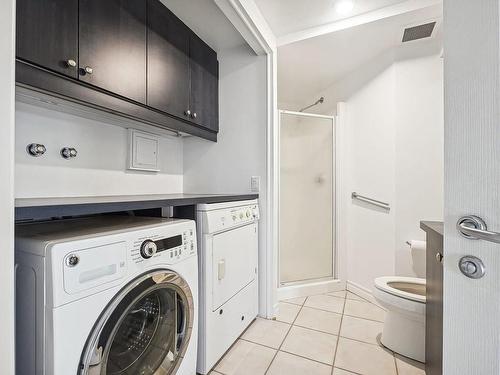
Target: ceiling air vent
(418,32)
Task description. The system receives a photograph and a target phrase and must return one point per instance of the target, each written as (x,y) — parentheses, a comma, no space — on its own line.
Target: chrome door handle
(474,228)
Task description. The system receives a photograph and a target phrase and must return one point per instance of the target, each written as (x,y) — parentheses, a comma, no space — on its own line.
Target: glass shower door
(307,193)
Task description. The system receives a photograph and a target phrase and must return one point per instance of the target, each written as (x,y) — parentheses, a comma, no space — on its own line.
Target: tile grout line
(289,329)
(395,363)
(338,337)
(350,371)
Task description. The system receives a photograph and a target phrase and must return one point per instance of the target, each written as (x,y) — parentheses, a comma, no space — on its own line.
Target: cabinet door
(47,34)
(204,103)
(112,41)
(168,61)
(434,306)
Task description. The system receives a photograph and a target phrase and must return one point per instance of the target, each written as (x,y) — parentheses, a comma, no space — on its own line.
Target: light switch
(143,151)
(255,184)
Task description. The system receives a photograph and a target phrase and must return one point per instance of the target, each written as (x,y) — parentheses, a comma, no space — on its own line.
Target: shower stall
(307,235)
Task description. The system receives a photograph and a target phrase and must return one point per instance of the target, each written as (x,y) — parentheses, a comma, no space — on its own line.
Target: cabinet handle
(71,63)
(88,70)
(187,112)
(439,257)
(193,115)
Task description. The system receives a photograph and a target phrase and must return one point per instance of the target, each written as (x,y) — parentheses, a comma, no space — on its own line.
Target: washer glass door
(145,330)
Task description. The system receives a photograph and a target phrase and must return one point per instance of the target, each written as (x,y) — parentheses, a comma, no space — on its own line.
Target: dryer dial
(148,249)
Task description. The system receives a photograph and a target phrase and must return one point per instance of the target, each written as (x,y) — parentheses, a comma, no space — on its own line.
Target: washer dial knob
(148,249)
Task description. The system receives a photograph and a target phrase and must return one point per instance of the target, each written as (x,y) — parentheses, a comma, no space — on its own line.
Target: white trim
(272,187)
(7,142)
(341,247)
(335,211)
(286,112)
(247,19)
(362,292)
(310,289)
(379,14)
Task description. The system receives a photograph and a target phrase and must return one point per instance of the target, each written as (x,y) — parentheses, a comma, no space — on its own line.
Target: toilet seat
(404,300)
(401,287)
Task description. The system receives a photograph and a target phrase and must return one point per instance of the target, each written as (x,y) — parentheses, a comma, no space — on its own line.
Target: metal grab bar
(374,202)
(474,228)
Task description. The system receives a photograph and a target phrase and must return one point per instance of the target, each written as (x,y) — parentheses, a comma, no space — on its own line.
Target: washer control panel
(172,248)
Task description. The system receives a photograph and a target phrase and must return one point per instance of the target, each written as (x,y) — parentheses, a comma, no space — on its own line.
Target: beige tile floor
(332,334)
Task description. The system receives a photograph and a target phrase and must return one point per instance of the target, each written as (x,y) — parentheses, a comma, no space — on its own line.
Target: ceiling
(307,67)
(207,21)
(289,16)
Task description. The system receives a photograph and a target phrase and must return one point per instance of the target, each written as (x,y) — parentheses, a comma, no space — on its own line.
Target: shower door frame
(335,199)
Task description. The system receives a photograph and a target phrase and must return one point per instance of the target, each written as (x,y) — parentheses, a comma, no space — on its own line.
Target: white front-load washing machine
(106,295)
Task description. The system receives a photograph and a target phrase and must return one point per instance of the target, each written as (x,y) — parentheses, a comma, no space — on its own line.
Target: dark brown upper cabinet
(47,34)
(168,61)
(131,57)
(112,41)
(204,99)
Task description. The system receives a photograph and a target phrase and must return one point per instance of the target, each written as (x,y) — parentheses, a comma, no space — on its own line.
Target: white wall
(99,168)
(7,77)
(227,166)
(369,134)
(419,166)
(392,141)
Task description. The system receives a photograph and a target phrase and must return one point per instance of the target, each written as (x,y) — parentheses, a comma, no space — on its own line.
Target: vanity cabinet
(130,57)
(434,297)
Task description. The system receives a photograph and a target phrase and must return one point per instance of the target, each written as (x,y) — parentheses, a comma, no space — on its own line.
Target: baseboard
(309,289)
(361,291)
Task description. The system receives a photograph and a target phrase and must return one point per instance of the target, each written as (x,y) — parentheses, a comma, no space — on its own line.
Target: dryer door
(145,329)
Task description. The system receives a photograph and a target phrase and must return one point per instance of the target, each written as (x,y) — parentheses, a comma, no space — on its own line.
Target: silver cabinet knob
(187,112)
(194,115)
(36,149)
(439,257)
(472,267)
(68,152)
(88,70)
(71,63)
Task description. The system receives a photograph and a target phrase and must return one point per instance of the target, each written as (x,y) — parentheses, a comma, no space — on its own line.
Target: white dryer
(107,295)
(228,258)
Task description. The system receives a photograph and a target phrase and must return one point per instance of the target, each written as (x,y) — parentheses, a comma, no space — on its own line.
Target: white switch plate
(255,184)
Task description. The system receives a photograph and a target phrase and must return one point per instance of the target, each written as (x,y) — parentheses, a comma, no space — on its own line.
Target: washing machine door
(145,330)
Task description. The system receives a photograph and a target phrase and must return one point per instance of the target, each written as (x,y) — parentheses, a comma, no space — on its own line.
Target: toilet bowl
(404,325)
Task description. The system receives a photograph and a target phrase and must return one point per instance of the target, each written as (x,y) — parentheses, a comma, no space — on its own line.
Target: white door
(471,341)
(307,191)
(234,262)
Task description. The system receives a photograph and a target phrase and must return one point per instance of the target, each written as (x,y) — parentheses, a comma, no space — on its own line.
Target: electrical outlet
(255,184)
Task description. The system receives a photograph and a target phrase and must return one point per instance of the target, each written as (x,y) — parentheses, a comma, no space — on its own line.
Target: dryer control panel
(222,219)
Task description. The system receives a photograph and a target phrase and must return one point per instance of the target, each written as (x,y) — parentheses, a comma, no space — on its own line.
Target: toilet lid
(410,288)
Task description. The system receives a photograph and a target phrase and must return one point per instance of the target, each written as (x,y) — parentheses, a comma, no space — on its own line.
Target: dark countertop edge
(433,226)
(59,210)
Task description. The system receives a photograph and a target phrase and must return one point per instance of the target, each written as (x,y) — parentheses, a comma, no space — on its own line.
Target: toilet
(404,326)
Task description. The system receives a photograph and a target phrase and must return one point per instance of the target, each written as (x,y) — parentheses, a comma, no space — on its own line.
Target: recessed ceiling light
(344,7)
